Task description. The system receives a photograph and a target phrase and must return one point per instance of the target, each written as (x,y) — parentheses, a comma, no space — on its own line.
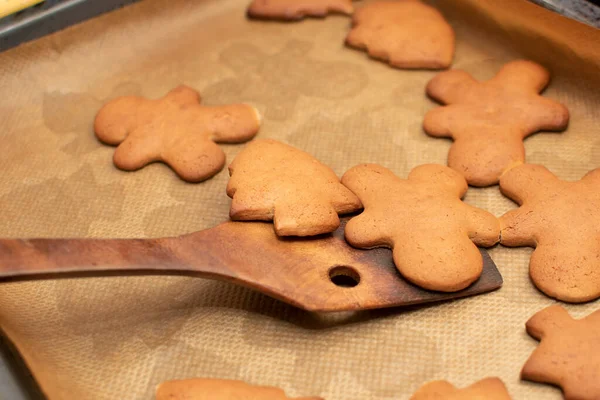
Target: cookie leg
(443,262)
(567,271)
(195,159)
(136,151)
(482,159)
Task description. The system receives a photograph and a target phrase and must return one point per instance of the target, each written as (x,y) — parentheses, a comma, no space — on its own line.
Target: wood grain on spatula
(317,274)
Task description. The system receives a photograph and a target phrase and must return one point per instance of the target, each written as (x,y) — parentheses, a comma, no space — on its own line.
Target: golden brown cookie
(273,181)
(562,221)
(489,120)
(404,33)
(297,9)
(219,389)
(432,232)
(176,130)
(569,352)
(488,389)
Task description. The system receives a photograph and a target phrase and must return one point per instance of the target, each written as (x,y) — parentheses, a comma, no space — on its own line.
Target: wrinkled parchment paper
(117,337)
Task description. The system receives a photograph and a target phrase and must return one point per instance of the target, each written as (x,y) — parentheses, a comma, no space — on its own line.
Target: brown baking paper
(118,337)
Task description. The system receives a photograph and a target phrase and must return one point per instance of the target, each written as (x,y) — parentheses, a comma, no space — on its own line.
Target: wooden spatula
(317,274)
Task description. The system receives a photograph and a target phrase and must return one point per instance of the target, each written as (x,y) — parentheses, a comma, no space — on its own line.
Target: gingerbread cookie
(404,33)
(488,389)
(569,352)
(489,120)
(219,389)
(432,232)
(273,181)
(562,221)
(291,10)
(176,130)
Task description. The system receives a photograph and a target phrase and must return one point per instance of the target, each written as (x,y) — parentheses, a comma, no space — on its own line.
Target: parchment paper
(117,337)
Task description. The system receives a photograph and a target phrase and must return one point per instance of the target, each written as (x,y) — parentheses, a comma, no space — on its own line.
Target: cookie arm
(450,86)
(437,122)
(117,119)
(484,228)
(548,115)
(551,318)
(518,228)
(234,123)
(527,182)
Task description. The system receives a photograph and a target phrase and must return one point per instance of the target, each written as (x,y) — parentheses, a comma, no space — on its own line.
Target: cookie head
(561,219)
(405,33)
(291,10)
(271,181)
(569,352)
(433,234)
(489,120)
(176,130)
(488,388)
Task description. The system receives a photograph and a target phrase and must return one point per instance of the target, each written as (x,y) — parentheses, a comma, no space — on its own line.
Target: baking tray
(19,28)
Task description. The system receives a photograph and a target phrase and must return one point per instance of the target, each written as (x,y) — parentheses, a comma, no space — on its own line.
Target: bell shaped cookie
(488,121)
(561,220)
(433,234)
(176,130)
(271,181)
(404,33)
(569,352)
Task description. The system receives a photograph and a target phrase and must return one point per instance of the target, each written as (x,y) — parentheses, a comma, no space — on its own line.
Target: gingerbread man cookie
(219,389)
(432,232)
(488,389)
(404,33)
(291,10)
(273,181)
(176,130)
(489,120)
(562,221)
(569,352)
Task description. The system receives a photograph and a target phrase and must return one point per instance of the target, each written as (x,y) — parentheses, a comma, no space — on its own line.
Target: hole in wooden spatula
(344,276)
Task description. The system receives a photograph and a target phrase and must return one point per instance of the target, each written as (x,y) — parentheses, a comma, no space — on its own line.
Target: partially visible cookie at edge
(272,181)
(488,389)
(293,10)
(405,33)
(561,220)
(219,389)
(568,354)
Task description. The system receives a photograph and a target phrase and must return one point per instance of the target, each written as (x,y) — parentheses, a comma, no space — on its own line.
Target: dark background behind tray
(53,15)
(50,16)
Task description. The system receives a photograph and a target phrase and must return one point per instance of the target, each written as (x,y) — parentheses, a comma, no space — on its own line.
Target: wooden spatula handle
(39,256)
